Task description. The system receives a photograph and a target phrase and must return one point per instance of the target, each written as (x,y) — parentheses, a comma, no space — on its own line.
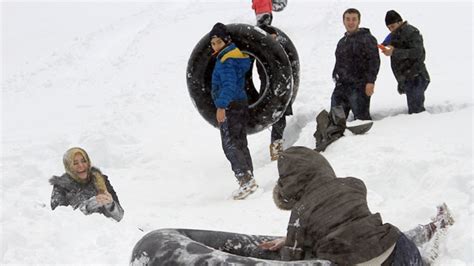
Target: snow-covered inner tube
(292,54)
(260,45)
(202,247)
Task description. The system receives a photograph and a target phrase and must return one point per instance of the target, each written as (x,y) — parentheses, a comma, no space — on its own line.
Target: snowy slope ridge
(111,79)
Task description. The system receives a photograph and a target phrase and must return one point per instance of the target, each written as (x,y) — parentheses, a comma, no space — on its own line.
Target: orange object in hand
(382,47)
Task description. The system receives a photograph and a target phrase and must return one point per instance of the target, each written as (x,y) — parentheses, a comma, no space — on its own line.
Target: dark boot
(330,127)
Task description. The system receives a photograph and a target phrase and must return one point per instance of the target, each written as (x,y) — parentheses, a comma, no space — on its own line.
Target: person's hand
(104,198)
(388,51)
(90,206)
(369,89)
(220,115)
(273,245)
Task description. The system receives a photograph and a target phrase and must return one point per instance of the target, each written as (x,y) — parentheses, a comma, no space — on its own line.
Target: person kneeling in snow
(330,218)
(84,187)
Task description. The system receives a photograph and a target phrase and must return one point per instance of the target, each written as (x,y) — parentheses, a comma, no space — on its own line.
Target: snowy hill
(111,78)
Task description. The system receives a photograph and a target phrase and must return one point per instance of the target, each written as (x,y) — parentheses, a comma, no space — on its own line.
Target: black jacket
(329,218)
(408,58)
(68,192)
(357,58)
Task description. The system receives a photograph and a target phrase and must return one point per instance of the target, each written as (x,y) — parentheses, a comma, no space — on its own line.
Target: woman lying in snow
(84,187)
(330,223)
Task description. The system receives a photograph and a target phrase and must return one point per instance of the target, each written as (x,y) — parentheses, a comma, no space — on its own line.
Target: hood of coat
(299,168)
(68,161)
(64,181)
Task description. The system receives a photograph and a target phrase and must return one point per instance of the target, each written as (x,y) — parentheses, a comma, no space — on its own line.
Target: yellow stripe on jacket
(234,53)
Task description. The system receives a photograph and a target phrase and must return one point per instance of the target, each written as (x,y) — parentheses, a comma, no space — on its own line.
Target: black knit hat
(392,17)
(219,30)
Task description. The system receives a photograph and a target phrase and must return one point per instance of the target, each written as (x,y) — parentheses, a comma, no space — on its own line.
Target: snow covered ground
(110,77)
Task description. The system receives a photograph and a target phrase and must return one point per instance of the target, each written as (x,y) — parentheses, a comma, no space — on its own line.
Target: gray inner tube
(203,247)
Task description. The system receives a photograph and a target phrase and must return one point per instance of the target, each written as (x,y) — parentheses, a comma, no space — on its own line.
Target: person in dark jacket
(230,99)
(84,187)
(330,218)
(356,68)
(405,47)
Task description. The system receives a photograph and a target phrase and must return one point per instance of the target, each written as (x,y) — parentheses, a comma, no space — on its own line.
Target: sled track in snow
(431,109)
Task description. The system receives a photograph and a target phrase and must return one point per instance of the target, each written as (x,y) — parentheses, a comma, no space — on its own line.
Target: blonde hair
(92,173)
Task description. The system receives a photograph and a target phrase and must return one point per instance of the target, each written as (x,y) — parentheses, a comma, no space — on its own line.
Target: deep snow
(110,77)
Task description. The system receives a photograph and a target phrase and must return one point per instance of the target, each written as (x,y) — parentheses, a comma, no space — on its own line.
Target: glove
(90,206)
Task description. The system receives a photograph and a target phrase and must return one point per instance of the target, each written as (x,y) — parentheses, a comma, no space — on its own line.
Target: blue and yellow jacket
(228,77)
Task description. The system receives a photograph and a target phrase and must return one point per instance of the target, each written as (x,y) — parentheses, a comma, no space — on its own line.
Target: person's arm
(58,197)
(103,203)
(106,203)
(373,65)
(113,209)
(273,245)
(387,40)
(415,46)
(335,75)
(228,77)
(293,246)
(372,53)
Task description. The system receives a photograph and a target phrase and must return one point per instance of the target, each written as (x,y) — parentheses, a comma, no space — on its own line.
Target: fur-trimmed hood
(299,168)
(68,182)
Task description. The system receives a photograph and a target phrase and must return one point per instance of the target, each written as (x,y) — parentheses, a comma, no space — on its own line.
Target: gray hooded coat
(329,218)
(67,191)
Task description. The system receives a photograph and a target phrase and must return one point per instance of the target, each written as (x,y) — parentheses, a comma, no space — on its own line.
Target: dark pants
(265,19)
(352,97)
(415,90)
(404,253)
(278,128)
(234,138)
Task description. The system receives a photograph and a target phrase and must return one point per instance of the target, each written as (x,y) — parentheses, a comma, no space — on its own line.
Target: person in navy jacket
(230,99)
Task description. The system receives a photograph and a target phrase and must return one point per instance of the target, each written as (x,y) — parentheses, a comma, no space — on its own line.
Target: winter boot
(329,127)
(441,222)
(247,186)
(275,149)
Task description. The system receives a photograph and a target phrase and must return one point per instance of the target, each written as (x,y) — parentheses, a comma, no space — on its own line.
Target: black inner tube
(270,55)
